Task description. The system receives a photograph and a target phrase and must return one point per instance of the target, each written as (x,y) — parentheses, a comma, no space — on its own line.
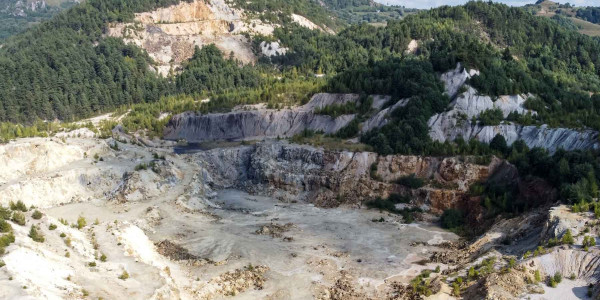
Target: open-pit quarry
(183,228)
(268,220)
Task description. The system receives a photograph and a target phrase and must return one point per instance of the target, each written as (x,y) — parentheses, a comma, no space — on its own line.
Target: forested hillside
(16,16)
(65,69)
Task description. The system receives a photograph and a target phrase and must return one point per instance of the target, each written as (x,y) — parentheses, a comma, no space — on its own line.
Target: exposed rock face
(272,49)
(250,125)
(454,79)
(382,117)
(305,22)
(170,34)
(46,173)
(457,120)
(331,178)
(560,219)
(260,123)
(584,265)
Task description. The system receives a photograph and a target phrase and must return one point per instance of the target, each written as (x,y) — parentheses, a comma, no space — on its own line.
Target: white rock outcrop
(454,79)
(272,49)
(382,117)
(457,120)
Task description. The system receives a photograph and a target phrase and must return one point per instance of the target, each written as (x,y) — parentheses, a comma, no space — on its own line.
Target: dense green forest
(208,71)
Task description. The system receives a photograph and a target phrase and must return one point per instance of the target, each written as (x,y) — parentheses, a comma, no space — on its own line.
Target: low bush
(19,218)
(35,235)
(452,218)
(19,206)
(37,215)
(411,181)
(4,226)
(124,275)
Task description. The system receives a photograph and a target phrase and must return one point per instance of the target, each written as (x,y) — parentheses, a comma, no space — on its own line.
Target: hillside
(584,19)
(81,71)
(16,16)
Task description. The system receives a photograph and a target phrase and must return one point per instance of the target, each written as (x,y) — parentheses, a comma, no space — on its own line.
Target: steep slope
(259,123)
(583,19)
(457,121)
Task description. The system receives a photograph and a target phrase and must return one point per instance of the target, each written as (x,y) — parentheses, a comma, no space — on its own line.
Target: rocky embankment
(332,178)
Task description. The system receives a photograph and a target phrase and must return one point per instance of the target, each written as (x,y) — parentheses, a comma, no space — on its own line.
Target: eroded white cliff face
(457,120)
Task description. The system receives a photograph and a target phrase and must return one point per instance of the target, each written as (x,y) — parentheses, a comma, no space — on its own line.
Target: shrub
(103,258)
(124,275)
(455,289)
(382,204)
(452,218)
(397,198)
(373,172)
(411,181)
(5,213)
(4,226)
(350,130)
(491,117)
(567,238)
(6,240)
(537,276)
(18,218)
(19,206)
(498,143)
(37,215)
(92,264)
(52,227)
(588,241)
(141,167)
(81,222)
(512,262)
(35,235)
(552,283)
(557,277)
